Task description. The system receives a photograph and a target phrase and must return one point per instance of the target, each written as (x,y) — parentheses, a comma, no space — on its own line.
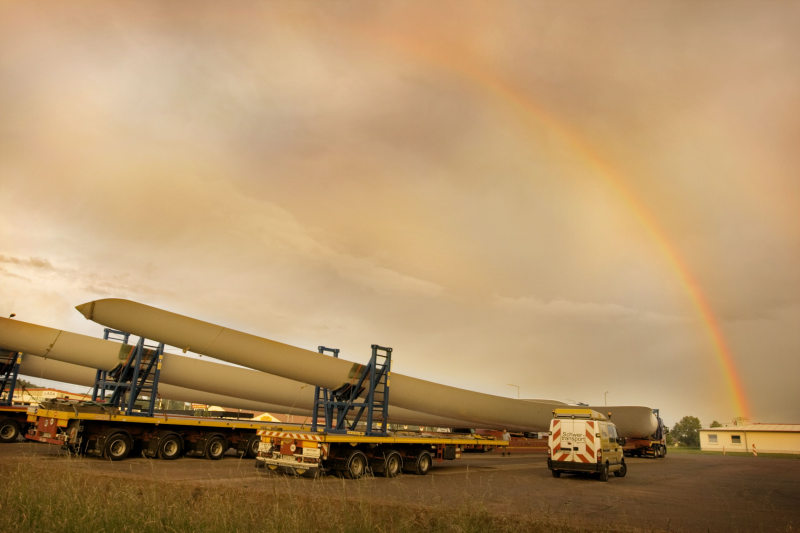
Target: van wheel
(622,471)
(604,473)
(556,473)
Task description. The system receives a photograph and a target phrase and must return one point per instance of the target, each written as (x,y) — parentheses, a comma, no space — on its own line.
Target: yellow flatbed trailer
(164,436)
(354,454)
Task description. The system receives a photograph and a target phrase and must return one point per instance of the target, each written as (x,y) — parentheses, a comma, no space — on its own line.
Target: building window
(712,439)
(736,439)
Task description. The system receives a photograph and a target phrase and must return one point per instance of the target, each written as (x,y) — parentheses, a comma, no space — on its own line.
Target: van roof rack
(578,413)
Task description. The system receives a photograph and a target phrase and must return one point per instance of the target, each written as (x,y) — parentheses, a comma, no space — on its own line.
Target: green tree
(716,424)
(687,431)
(25,383)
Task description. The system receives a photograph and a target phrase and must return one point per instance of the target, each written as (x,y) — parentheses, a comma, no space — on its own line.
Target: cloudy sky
(536,193)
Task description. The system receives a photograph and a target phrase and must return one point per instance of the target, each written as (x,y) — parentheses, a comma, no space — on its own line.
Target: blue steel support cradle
(137,376)
(321,396)
(9,369)
(372,385)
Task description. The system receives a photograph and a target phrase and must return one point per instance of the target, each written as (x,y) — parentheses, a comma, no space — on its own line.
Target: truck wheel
(663,451)
(170,447)
(252,446)
(216,447)
(9,430)
(117,447)
(604,473)
(356,465)
(622,471)
(556,473)
(393,464)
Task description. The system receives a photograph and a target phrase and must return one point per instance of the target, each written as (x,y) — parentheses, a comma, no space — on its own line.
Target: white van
(582,440)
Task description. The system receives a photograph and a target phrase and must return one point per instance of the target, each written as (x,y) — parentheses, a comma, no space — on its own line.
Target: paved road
(681,492)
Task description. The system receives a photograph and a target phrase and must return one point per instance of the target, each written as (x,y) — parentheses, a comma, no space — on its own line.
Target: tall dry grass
(63,500)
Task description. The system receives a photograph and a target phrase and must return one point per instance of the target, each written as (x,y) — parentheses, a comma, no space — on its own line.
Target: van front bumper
(569,466)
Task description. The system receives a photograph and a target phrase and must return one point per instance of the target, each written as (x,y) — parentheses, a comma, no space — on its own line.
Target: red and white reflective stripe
(590,442)
(282,435)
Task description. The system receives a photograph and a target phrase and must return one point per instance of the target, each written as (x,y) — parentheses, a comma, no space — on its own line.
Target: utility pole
(606,398)
(517,386)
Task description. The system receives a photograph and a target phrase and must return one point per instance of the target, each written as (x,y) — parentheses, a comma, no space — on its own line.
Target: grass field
(48,500)
(698,451)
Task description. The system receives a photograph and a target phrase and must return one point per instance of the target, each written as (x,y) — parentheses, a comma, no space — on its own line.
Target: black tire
(170,447)
(252,446)
(556,473)
(117,447)
(604,473)
(663,451)
(356,465)
(622,471)
(424,464)
(216,447)
(393,464)
(9,430)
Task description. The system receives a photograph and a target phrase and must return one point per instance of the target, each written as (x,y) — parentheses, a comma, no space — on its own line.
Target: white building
(766,438)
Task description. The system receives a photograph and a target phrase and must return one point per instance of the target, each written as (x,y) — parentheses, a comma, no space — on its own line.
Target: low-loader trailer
(355,455)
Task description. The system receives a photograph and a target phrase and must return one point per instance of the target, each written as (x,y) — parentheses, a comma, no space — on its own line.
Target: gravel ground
(678,493)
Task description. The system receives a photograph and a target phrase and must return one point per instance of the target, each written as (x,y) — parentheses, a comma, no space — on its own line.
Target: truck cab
(584,441)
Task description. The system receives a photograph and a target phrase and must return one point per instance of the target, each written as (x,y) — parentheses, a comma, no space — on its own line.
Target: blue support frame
(322,396)
(138,375)
(9,370)
(373,382)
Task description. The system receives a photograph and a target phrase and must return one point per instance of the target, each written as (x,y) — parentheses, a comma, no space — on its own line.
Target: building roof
(788,428)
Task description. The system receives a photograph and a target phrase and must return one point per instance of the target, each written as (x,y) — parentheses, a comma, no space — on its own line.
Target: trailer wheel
(356,465)
(622,471)
(216,447)
(663,451)
(556,473)
(424,463)
(393,464)
(117,447)
(9,430)
(252,446)
(170,447)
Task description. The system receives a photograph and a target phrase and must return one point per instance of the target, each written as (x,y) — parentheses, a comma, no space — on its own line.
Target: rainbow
(602,168)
